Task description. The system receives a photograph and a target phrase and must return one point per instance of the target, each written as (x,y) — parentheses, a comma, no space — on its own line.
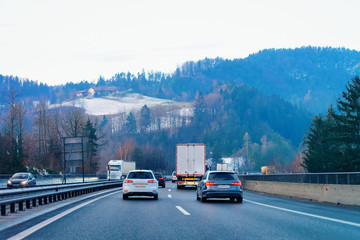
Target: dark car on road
(159,177)
(22,179)
(220,184)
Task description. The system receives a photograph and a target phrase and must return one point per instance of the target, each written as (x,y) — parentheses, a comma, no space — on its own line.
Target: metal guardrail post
(337,179)
(327,179)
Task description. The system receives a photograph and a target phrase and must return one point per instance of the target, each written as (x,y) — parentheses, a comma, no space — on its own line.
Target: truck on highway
(190,164)
(267,170)
(118,169)
(114,169)
(221,166)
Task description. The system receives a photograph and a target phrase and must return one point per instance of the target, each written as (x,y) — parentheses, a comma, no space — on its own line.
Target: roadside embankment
(331,193)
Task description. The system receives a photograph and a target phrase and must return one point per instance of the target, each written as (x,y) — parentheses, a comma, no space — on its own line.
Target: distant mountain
(310,77)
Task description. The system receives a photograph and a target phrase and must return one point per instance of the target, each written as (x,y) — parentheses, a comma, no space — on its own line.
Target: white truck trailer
(127,167)
(190,164)
(221,166)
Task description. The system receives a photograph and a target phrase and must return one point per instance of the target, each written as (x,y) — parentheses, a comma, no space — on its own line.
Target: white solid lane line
(169,190)
(182,210)
(53,219)
(169,195)
(306,214)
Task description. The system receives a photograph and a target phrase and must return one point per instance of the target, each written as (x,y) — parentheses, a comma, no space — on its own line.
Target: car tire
(156,197)
(163,186)
(125,197)
(239,200)
(178,187)
(203,199)
(197,196)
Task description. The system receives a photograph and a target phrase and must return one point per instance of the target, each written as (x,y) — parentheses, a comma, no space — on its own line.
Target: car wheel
(178,187)
(125,197)
(156,197)
(203,199)
(197,196)
(239,200)
(163,186)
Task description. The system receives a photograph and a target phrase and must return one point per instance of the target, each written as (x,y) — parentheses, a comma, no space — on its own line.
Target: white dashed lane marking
(182,210)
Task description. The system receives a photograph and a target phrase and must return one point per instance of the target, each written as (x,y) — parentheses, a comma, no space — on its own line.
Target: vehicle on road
(140,183)
(220,184)
(127,167)
(190,164)
(118,169)
(22,179)
(159,177)
(114,169)
(222,167)
(173,177)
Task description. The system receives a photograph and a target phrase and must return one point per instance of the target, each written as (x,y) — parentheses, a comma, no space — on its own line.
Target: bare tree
(14,121)
(73,122)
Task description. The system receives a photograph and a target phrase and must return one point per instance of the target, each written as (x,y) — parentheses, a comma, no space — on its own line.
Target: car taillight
(236,183)
(128,181)
(161,178)
(151,181)
(209,183)
(181,183)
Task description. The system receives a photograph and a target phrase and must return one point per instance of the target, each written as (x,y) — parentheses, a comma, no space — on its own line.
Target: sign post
(74,156)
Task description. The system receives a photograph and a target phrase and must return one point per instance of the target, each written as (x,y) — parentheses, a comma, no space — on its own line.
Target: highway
(178,215)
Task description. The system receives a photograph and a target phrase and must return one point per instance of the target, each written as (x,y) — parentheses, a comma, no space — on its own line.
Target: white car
(140,183)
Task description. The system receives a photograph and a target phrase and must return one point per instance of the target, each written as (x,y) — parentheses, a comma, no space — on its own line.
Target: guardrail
(347,178)
(20,199)
(51,179)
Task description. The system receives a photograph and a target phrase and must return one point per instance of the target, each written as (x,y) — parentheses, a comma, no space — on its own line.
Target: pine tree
(315,153)
(348,127)
(138,157)
(91,145)
(144,118)
(130,125)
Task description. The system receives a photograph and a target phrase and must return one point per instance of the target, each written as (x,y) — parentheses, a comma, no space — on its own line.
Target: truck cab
(114,170)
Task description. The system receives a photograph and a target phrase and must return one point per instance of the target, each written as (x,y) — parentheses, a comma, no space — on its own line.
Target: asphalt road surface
(178,215)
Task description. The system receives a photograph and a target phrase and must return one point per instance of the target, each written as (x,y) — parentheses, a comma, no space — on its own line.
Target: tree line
(333,141)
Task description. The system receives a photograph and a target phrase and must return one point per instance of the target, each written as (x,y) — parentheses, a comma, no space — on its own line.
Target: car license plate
(223,186)
(191,183)
(140,185)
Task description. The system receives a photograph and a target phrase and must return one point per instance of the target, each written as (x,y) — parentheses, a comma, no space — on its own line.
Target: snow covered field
(115,104)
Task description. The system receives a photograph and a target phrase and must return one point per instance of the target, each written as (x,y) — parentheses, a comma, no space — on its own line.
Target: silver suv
(140,183)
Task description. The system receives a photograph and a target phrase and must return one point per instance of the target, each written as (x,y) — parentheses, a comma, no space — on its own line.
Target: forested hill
(310,77)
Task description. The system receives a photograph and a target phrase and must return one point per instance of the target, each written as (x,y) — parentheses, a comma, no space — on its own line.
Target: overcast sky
(68,40)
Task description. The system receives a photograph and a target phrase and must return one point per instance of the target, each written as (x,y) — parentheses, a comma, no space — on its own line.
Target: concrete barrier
(332,193)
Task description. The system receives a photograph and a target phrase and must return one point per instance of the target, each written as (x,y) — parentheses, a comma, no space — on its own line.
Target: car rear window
(222,176)
(158,176)
(140,175)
